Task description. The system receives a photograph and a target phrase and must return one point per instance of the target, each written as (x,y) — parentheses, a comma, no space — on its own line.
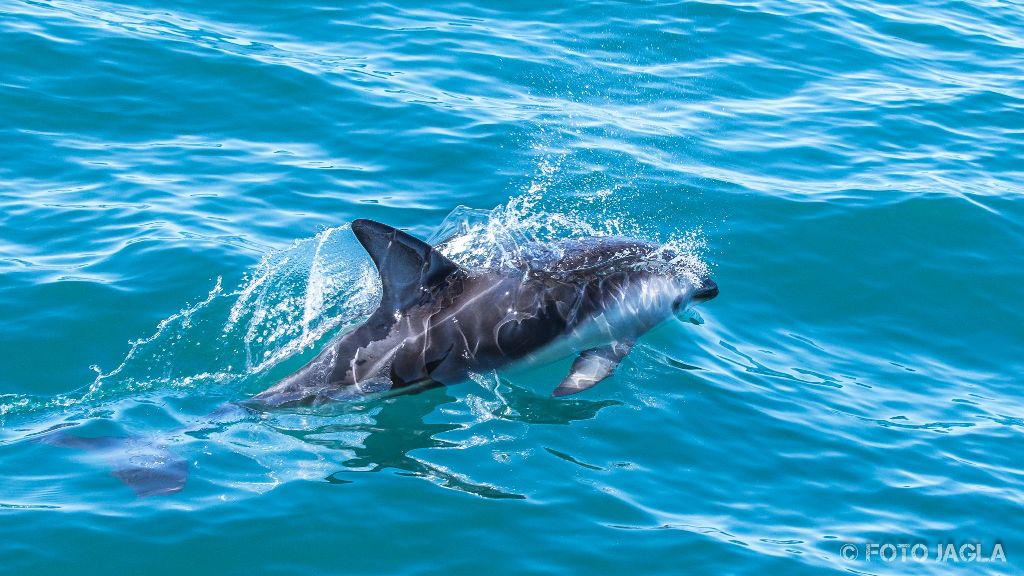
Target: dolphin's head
(670,273)
(664,274)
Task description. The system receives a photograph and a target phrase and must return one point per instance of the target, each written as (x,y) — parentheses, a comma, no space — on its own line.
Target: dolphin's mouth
(707,291)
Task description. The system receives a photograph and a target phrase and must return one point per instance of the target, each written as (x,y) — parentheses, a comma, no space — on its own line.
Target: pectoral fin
(591,367)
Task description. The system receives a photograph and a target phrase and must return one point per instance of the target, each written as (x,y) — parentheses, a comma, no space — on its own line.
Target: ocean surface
(177,181)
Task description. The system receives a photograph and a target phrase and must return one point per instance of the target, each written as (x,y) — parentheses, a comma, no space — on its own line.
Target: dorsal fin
(407,266)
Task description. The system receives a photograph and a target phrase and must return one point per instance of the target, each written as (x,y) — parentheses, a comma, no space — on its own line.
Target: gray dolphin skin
(437,322)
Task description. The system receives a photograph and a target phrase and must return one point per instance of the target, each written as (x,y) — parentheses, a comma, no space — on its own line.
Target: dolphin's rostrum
(437,321)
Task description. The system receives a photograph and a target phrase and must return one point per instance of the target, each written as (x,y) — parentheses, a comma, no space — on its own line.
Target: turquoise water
(175,192)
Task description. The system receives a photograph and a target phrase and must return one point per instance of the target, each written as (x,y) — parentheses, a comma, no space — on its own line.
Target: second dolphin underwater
(437,321)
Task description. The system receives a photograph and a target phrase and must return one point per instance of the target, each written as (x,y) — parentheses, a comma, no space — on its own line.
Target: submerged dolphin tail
(407,266)
(147,468)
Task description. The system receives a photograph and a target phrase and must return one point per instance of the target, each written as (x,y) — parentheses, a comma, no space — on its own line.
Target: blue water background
(176,180)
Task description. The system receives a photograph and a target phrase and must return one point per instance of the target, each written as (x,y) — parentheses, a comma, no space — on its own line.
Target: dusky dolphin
(437,322)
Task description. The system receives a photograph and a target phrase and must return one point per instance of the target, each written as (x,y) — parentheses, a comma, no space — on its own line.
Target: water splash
(294,298)
(528,223)
(297,296)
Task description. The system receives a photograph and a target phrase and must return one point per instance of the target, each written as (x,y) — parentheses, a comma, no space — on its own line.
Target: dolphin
(437,321)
